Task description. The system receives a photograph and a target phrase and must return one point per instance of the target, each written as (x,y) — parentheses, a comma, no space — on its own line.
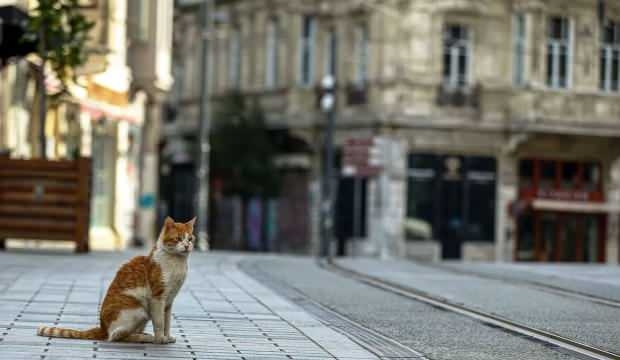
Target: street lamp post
(202,174)
(327,202)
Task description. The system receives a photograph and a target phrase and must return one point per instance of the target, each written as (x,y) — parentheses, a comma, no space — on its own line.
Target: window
(234,74)
(331,51)
(570,175)
(526,173)
(456,56)
(272,53)
(361,55)
(421,188)
(592,177)
(547,174)
(559,53)
(526,243)
(519,44)
(610,57)
(307,50)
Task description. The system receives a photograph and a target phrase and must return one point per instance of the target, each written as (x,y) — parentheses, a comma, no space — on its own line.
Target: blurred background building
(507,114)
(109,114)
(497,123)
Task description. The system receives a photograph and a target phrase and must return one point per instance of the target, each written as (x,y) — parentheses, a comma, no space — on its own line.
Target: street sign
(361,157)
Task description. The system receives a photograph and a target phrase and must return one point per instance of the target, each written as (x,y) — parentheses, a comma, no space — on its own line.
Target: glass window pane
(591,236)
(555,28)
(603,70)
(462,70)
(563,72)
(526,173)
(548,234)
(307,27)
(591,176)
(547,174)
(615,69)
(525,244)
(569,175)
(608,33)
(447,61)
(568,238)
(550,65)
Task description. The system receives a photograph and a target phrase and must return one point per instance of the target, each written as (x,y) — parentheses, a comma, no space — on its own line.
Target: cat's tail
(96,333)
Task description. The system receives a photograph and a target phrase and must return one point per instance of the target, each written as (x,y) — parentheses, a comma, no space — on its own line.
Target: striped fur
(143,290)
(92,334)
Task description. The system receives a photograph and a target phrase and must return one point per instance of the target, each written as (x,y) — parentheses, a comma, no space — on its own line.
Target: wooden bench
(45,200)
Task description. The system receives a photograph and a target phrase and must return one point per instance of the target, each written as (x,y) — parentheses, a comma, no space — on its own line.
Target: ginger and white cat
(144,289)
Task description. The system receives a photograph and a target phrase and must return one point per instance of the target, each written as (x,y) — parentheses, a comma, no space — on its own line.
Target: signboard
(361,157)
(572,195)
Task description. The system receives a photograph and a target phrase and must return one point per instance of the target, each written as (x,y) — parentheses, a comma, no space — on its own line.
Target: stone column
(507,194)
(146,229)
(612,194)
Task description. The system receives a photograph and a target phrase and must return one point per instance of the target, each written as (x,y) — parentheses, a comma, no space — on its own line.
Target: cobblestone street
(221,313)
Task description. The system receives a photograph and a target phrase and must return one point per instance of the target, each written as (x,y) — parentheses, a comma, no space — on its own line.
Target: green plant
(61,32)
(242,149)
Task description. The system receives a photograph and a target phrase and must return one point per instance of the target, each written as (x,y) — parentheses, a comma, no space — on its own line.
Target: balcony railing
(459,96)
(357,94)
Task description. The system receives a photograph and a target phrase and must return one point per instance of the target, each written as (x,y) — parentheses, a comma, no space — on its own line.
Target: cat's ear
(191,222)
(168,222)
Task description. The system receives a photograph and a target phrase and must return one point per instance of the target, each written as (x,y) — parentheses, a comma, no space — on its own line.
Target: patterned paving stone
(220,314)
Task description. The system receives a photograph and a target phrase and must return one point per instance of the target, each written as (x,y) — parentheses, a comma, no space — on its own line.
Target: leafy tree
(61,33)
(242,150)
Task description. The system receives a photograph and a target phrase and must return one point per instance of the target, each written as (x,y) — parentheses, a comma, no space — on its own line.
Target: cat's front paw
(160,339)
(170,339)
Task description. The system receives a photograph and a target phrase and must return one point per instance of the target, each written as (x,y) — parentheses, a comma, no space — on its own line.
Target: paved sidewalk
(221,313)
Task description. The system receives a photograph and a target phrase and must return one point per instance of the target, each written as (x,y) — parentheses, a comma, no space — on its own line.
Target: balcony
(357,94)
(459,97)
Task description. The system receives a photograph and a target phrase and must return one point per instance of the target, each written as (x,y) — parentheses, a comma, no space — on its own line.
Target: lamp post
(202,174)
(328,101)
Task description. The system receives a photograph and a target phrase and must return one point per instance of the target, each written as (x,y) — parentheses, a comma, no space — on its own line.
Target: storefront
(561,212)
(455,196)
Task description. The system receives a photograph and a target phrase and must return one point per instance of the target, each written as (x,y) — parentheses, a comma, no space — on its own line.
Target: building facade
(102,117)
(506,113)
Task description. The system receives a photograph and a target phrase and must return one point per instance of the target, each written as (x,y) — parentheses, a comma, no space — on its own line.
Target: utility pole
(42,90)
(202,174)
(327,201)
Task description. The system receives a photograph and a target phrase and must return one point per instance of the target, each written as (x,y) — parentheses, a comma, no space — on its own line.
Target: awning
(575,206)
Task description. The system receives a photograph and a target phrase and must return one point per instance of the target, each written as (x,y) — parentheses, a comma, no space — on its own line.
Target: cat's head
(178,238)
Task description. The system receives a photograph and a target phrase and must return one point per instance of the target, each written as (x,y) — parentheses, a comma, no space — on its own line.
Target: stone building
(507,111)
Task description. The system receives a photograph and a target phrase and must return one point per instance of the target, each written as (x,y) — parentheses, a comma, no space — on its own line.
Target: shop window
(570,175)
(526,173)
(525,245)
(547,174)
(548,229)
(421,192)
(591,177)
(591,237)
(568,238)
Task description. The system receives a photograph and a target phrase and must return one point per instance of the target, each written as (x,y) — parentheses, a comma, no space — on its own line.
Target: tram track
(576,347)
